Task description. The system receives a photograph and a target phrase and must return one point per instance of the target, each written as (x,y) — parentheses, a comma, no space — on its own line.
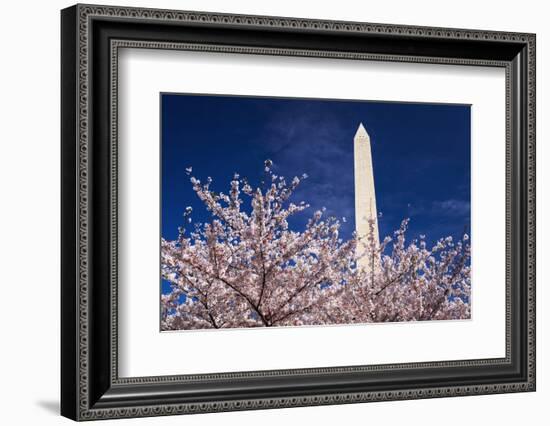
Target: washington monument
(365,196)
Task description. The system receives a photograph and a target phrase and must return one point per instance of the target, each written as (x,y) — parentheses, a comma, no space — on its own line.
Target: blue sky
(421,156)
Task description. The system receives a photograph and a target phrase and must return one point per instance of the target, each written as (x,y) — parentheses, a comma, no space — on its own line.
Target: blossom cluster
(247,268)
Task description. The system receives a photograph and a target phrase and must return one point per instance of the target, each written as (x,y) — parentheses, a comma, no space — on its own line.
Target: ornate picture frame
(91,37)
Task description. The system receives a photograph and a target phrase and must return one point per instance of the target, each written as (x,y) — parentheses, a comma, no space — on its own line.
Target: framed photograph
(263,212)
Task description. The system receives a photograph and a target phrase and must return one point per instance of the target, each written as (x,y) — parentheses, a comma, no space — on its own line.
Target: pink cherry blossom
(247,268)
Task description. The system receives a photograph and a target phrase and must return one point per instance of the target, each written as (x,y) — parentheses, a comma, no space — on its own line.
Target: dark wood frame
(90,386)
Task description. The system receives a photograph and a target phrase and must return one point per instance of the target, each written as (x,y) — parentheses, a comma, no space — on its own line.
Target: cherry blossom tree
(247,268)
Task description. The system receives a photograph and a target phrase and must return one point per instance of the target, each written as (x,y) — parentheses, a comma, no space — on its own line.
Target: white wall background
(29,213)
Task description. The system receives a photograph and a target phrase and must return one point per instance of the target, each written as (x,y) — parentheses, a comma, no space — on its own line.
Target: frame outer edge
(69,288)
(81,318)
(531,214)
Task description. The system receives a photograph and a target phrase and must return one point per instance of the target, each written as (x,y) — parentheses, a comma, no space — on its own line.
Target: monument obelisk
(365,196)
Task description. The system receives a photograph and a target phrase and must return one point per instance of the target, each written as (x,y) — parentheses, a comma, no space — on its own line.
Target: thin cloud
(300,142)
(451,207)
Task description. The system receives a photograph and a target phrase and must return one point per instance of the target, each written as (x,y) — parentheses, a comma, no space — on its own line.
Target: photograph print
(281,212)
